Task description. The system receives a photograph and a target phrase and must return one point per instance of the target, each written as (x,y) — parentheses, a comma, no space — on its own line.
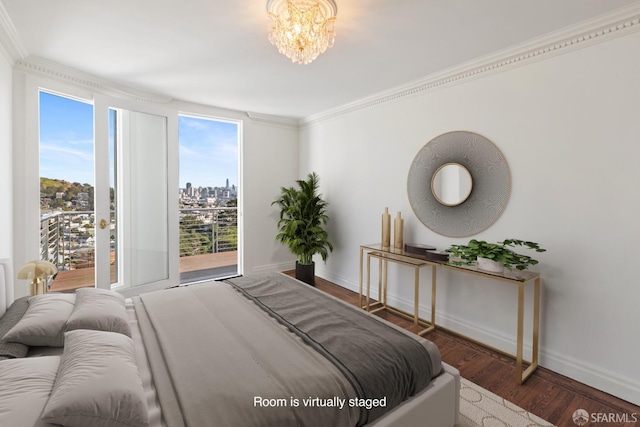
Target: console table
(399,256)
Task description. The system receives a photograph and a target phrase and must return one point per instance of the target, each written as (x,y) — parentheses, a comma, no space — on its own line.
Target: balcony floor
(192,268)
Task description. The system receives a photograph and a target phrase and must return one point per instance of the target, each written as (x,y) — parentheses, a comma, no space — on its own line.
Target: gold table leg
(416,298)
(522,376)
(368,279)
(520,333)
(360,278)
(384,283)
(433,296)
(536,321)
(380,262)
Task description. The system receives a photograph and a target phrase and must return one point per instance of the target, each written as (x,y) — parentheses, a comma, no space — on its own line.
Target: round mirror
(486,200)
(451,184)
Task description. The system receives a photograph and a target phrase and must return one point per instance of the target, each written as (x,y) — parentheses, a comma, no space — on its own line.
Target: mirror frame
(491,184)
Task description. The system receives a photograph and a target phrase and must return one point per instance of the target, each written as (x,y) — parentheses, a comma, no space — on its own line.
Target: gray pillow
(100,310)
(25,386)
(44,322)
(8,321)
(98,383)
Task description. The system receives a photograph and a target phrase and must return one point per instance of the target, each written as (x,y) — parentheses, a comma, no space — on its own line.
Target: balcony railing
(208,230)
(67,239)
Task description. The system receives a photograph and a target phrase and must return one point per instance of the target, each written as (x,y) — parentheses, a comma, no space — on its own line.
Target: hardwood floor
(547,394)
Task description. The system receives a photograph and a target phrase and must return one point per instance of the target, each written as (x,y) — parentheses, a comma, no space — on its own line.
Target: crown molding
(11,46)
(268,119)
(605,27)
(44,67)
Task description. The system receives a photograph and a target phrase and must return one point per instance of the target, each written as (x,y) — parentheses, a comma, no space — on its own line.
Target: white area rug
(480,407)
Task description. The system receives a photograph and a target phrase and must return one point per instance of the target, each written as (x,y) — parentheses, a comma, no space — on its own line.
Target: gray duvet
(379,362)
(217,354)
(219,360)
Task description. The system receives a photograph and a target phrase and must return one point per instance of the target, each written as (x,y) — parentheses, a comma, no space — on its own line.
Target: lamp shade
(37,269)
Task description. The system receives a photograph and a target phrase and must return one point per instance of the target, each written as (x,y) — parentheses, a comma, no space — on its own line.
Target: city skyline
(208,149)
(227,184)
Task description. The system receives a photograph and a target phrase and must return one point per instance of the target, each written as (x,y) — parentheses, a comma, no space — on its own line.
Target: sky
(208,152)
(208,149)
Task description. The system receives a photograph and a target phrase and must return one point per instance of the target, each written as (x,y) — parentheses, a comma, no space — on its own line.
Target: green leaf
(499,252)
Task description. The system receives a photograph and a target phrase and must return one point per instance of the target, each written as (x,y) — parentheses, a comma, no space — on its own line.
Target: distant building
(207,196)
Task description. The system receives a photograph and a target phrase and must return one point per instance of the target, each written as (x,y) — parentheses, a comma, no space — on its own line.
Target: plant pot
(489,265)
(306,273)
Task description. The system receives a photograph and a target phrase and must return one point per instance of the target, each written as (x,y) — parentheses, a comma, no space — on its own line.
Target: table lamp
(36,271)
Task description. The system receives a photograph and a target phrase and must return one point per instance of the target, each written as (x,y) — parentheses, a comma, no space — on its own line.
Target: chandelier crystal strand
(301,31)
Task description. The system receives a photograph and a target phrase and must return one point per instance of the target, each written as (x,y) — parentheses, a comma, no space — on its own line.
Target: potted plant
(301,225)
(499,253)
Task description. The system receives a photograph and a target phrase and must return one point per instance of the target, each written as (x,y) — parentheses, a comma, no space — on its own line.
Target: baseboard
(592,375)
(579,370)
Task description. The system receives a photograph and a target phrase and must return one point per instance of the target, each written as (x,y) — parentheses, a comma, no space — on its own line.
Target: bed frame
(432,406)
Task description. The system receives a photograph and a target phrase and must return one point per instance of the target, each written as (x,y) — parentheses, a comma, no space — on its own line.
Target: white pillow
(100,310)
(98,383)
(44,322)
(25,385)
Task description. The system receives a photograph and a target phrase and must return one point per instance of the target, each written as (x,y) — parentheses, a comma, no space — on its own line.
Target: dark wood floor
(547,394)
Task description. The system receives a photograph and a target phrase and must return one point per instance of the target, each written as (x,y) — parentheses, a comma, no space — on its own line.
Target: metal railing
(208,230)
(67,239)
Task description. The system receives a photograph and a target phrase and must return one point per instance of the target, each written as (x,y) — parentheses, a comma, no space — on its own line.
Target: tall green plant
(302,220)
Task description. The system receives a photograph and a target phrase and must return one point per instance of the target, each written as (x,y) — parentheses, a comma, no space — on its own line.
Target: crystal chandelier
(301,29)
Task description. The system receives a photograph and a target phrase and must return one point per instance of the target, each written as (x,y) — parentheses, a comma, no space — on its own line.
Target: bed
(217,357)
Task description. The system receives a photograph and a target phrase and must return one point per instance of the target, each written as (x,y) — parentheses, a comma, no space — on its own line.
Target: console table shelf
(422,326)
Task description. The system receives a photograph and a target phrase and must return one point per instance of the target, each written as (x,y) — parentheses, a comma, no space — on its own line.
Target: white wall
(6,108)
(568,126)
(270,162)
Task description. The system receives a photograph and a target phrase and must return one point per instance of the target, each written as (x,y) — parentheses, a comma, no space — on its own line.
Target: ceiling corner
(10,43)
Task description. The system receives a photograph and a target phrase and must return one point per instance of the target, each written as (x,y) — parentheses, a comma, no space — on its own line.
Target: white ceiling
(216,52)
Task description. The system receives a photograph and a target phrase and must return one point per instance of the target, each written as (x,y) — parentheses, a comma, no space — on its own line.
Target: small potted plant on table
(494,257)
(301,225)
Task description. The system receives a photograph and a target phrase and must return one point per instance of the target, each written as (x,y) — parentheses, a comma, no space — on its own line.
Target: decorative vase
(386,229)
(398,233)
(489,265)
(306,273)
